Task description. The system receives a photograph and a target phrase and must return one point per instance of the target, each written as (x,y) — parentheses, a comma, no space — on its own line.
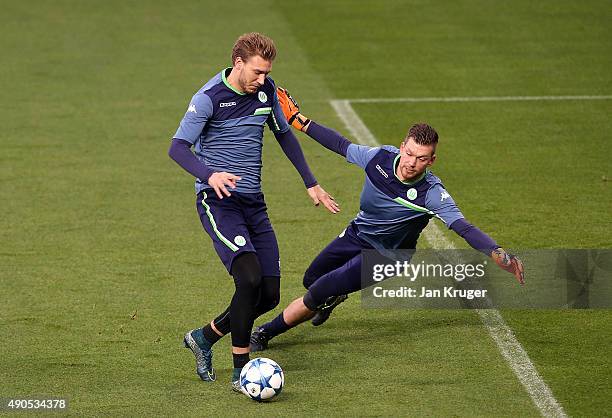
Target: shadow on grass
(373,328)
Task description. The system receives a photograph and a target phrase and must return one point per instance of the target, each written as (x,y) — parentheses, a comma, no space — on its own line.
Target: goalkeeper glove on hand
(291,110)
(510,263)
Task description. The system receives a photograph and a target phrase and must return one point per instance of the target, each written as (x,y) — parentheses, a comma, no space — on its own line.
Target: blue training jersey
(226,127)
(392,212)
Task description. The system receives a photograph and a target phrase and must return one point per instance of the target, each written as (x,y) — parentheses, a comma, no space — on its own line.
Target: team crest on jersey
(240,240)
(411,194)
(262,97)
(191,108)
(444,195)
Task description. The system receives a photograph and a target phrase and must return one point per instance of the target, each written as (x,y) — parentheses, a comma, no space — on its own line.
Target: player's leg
(341,281)
(269,296)
(243,310)
(265,243)
(247,278)
(201,340)
(348,245)
(223,220)
(331,257)
(344,247)
(334,256)
(294,314)
(265,293)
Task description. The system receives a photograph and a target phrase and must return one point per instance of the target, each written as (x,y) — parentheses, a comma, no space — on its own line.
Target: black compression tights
(253,297)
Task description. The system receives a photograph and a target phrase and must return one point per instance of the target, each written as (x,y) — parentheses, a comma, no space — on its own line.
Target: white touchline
(508,345)
(354,123)
(473,99)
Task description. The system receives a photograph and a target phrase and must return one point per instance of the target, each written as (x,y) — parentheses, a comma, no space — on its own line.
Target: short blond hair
(251,44)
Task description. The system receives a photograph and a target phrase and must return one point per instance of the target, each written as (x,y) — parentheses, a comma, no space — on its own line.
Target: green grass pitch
(104,264)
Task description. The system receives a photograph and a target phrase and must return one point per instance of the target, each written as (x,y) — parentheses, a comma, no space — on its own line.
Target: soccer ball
(261,379)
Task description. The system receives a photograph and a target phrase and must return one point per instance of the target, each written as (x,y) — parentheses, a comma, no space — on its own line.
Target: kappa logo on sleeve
(444,195)
(191,108)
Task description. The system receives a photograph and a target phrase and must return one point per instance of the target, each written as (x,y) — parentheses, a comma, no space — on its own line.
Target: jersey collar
(407,183)
(227,84)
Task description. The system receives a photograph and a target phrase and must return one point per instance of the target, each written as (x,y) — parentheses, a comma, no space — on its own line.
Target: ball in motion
(261,379)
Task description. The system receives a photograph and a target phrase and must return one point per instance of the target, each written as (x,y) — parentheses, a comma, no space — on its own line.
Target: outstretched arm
(293,151)
(440,202)
(485,244)
(474,236)
(329,138)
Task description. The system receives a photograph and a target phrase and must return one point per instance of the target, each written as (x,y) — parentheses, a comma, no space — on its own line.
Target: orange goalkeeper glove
(291,110)
(510,263)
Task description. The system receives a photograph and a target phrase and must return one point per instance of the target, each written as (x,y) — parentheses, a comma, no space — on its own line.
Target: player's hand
(510,263)
(219,181)
(291,110)
(318,195)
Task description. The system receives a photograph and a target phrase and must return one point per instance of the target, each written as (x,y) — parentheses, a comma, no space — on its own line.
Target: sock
(200,340)
(239,361)
(210,335)
(276,326)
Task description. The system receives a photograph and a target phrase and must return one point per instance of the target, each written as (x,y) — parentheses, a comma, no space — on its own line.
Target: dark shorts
(337,269)
(239,224)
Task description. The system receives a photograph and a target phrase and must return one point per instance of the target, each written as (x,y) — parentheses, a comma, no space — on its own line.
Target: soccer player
(399,197)
(224,123)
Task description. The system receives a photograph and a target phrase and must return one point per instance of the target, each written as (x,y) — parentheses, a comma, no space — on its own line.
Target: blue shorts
(337,269)
(239,224)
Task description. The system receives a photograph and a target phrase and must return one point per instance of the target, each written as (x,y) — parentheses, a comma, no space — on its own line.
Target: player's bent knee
(309,278)
(268,305)
(246,271)
(270,299)
(250,281)
(310,302)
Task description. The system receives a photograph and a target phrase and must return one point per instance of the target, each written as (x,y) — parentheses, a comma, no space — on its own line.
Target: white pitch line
(354,123)
(471,99)
(512,351)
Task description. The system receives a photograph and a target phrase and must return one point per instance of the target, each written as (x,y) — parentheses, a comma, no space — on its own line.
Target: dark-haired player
(224,123)
(399,197)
